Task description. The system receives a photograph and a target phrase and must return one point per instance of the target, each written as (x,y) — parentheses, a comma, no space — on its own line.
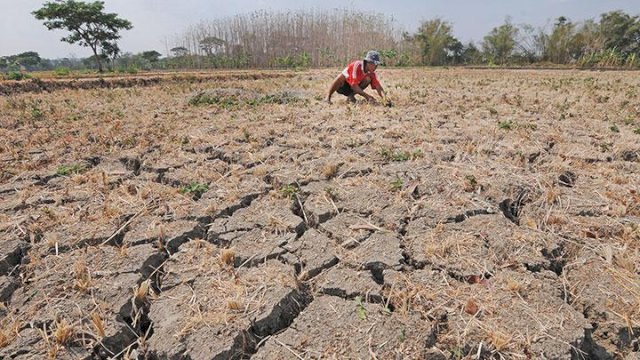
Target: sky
(155,21)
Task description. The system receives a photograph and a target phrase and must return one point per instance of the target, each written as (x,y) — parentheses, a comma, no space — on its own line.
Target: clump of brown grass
(499,340)
(227,256)
(234,305)
(329,170)
(63,332)
(514,286)
(82,276)
(143,290)
(277,225)
(4,339)
(98,324)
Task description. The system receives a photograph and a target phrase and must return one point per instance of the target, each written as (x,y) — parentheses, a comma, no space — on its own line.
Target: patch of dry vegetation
(512,195)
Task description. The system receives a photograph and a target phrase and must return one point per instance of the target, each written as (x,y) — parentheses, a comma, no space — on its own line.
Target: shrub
(16,75)
(62,71)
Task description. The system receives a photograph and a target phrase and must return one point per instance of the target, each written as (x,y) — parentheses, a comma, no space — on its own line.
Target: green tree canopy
(28,59)
(210,43)
(621,32)
(560,46)
(500,43)
(179,51)
(437,42)
(87,23)
(151,56)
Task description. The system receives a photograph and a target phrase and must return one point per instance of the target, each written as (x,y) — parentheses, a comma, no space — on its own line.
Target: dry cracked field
(483,215)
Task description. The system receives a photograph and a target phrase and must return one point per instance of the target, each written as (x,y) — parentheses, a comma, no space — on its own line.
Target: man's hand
(328,101)
(371,100)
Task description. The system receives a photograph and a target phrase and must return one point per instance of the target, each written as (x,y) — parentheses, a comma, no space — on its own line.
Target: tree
(560,46)
(471,54)
(588,39)
(87,23)
(110,51)
(210,43)
(29,60)
(530,43)
(179,51)
(499,44)
(621,31)
(151,56)
(436,42)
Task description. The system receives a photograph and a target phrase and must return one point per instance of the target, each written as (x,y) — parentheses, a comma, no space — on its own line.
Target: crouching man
(358,76)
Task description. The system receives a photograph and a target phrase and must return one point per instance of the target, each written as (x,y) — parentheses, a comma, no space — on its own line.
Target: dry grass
(142,291)
(82,276)
(478,145)
(227,256)
(98,323)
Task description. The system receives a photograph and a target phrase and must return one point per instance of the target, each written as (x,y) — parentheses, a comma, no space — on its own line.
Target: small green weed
(289,190)
(637,131)
(417,154)
(614,128)
(403,336)
(282,98)
(360,309)
(397,184)
(331,193)
(202,99)
(395,155)
(195,189)
(64,170)
(629,120)
(36,113)
(472,180)
(505,125)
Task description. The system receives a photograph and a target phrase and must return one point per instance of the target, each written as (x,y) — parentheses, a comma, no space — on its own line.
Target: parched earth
(480,215)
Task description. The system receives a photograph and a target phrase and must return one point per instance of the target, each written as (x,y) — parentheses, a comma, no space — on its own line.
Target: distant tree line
(330,38)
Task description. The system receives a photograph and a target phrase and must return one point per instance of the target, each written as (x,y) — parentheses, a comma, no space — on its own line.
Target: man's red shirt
(354,73)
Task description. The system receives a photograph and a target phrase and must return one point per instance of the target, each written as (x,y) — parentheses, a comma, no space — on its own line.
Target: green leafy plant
(196,189)
(360,309)
(505,125)
(397,184)
(331,193)
(204,99)
(636,131)
(289,190)
(614,128)
(403,336)
(281,98)
(62,71)
(36,112)
(472,180)
(395,155)
(16,75)
(64,170)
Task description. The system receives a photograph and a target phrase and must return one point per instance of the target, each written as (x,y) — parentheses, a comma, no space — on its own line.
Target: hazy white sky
(156,20)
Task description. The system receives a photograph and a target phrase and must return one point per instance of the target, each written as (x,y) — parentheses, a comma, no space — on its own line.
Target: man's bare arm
(356,89)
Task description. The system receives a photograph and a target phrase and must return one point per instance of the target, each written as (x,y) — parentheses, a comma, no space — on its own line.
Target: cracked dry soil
(486,215)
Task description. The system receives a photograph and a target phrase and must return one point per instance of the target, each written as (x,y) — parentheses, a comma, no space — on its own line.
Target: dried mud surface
(480,215)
